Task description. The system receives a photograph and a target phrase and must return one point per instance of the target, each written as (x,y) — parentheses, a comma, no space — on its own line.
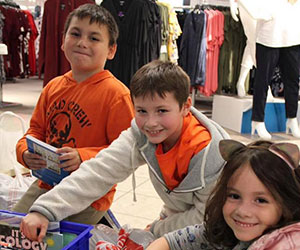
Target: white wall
(213,2)
(173,2)
(29,4)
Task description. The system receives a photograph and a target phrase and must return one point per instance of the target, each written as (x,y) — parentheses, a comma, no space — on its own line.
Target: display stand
(3,51)
(235,113)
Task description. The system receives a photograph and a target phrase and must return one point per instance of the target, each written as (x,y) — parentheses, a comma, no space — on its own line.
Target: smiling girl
(258,193)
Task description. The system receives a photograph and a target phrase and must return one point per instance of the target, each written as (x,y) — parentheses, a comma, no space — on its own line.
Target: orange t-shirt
(174,163)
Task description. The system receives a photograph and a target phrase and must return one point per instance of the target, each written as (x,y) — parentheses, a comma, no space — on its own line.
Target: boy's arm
(186,218)
(91,181)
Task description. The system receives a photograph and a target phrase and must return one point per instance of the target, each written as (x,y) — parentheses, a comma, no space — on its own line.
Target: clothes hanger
(197,9)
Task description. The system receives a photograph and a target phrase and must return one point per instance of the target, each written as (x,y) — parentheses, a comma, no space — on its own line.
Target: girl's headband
(288,152)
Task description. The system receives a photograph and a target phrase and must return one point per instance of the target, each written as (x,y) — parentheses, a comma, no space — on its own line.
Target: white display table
(235,113)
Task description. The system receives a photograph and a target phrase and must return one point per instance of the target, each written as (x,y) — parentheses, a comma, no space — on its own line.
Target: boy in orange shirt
(175,141)
(82,111)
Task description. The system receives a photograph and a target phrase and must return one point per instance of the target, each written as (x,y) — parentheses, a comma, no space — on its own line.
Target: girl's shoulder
(287,238)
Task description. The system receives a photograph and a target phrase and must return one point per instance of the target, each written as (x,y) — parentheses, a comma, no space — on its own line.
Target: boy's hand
(33,161)
(71,158)
(34,226)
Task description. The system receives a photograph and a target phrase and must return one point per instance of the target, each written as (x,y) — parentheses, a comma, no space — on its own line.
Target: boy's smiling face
(160,119)
(86,46)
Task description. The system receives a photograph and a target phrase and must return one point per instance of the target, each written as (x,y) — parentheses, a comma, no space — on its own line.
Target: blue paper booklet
(52,174)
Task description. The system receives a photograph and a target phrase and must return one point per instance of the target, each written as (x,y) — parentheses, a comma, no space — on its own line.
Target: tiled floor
(138,214)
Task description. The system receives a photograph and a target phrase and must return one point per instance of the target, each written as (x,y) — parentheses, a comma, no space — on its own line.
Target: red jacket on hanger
(51,59)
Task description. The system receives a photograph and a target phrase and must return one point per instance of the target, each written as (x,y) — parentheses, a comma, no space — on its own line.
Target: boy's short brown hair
(97,14)
(158,77)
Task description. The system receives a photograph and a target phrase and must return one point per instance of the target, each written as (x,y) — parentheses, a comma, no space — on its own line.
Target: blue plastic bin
(81,242)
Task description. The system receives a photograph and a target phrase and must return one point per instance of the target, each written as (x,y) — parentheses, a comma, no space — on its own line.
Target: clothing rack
(217,3)
(201,5)
(178,8)
(183,7)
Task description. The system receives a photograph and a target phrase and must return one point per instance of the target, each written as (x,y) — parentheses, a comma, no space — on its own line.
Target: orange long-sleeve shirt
(87,116)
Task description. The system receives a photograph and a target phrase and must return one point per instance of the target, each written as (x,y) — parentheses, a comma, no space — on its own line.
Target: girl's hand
(71,158)
(147,228)
(159,244)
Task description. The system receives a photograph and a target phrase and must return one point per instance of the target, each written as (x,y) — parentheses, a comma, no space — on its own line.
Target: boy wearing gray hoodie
(177,143)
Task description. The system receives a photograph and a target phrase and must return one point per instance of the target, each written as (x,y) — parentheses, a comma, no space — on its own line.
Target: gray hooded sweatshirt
(183,206)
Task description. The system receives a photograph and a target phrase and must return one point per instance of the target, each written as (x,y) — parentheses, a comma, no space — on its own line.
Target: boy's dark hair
(97,14)
(158,77)
(272,171)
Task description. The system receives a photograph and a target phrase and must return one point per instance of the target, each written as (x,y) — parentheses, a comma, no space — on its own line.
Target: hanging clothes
(192,55)
(231,53)
(139,39)
(171,30)
(214,40)
(164,13)
(24,44)
(181,15)
(16,31)
(211,48)
(2,72)
(51,59)
(31,44)
(174,32)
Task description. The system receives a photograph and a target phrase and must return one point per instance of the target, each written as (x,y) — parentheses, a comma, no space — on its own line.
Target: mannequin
(277,42)
(248,60)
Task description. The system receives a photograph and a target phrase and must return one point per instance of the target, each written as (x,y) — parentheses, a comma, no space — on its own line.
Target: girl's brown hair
(280,179)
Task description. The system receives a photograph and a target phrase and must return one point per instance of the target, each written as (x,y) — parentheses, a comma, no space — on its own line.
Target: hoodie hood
(94,79)
(204,167)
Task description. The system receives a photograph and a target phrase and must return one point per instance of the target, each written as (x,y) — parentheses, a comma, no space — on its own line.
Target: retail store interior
(19,94)
(24,94)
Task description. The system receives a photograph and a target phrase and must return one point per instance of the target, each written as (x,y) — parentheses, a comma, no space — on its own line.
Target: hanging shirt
(139,39)
(277,21)
(192,56)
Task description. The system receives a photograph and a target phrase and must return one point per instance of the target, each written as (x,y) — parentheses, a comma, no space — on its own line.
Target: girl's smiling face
(250,208)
